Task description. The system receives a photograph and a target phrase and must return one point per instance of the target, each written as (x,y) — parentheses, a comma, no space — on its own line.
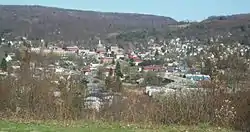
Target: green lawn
(7,126)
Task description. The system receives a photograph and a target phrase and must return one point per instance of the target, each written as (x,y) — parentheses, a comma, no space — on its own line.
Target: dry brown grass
(32,99)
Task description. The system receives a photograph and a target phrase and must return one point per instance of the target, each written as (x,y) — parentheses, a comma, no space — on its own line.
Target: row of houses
(187,83)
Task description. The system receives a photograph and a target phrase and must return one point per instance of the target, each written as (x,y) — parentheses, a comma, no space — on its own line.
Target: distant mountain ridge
(52,23)
(57,23)
(237,25)
(228,17)
(225,29)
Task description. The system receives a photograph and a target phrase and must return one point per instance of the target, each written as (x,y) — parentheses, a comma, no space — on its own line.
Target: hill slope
(55,23)
(225,28)
(235,26)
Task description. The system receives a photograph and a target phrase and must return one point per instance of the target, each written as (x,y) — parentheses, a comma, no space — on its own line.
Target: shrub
(241,102)
(31,97)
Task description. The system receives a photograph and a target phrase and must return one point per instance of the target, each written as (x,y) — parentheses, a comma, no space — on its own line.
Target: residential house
(153,68)
(59,51)
(137,61)
(74,49)
(94,66)
(120,56)
(107,59)
(114,49)
(198,77)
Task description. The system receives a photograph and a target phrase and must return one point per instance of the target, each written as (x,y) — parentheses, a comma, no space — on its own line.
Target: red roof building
(107,59)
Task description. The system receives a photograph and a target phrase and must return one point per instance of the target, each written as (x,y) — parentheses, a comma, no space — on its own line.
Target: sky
(194,10)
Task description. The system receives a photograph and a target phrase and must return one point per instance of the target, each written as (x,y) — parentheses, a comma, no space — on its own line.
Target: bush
(215,107)
(241,101)
(33,98)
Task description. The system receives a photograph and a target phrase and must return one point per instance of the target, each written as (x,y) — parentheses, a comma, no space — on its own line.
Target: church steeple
(100,44)
(100,47)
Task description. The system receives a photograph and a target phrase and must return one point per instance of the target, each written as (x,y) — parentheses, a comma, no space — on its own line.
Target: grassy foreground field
(14,126)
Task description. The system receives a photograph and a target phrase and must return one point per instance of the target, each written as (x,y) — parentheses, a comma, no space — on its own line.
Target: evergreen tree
(163,50)
(248,54)
(108,80)
(113,61)
(131,62)
(110,72)
(112,54)
(118,85)
(118,72)
(107,83)
(118,82)
(4,65)
(156,53)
